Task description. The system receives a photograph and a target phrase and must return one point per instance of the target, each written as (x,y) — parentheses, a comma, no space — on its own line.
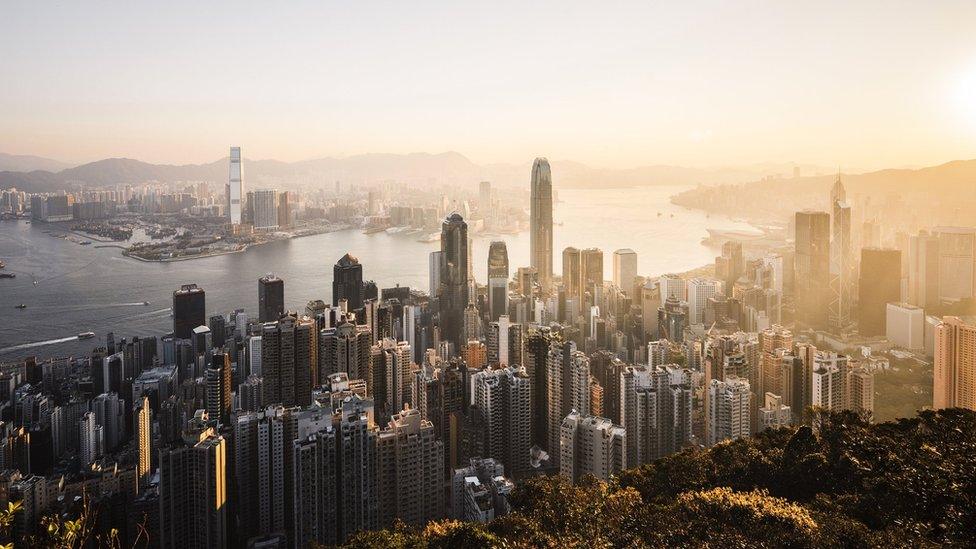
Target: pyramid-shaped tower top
(837,192)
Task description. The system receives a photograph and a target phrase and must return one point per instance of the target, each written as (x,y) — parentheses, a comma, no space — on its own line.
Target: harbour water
(86,288)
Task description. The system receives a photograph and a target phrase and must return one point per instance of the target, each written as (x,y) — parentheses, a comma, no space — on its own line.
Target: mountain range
(36,174)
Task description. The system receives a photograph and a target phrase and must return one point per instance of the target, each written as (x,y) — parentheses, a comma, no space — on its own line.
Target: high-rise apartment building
(344,348)
(954,373)
(347,282)
(504,343)
(728,410)
(812,266)
(625,270)
(143,431)
(390,376)
(410,471)
(271,298)
(590,445)
(655,410)
(497,279)
(189,310)
(504,396)
(236,186)
(567,388)
(289,360)
(193,506)
(219,395)
(540,221)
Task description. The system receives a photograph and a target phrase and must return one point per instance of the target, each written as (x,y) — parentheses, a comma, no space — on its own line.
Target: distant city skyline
(697,84)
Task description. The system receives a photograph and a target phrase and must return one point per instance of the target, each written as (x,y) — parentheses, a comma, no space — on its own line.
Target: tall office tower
(90,440)
(655,410)
(591,271)
(475,355)
(504,343)
(880,284)
(410,471)
(923,270)
(904,326)
(390,376)
(435,260)
(957,259)
(535,360)
(472,324)
(540,221)
(218,334)
(730,265)
(484,198)
(344,348)
(254,355)
(289,361)
(842,265)
(109,412)
(143,431)
(193,489)
(453,293)
(504,396)
(955,364)
(284,209)
(347,282)
(700,290)
(236,185)
(672,320)
(590,445)
(271,298)
(774,413)
(266,209)
(812,266)
(671,285)
(728,410)
(497,279)
(220,398)
(572,272)
(568,388)
(189,310)
(625,270)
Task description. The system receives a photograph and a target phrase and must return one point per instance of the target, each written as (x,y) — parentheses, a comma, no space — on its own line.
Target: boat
(2,264)
(86,335)
(85,242)
(432,237)
(732,234)
(21,306)
(8,275)
(146,303)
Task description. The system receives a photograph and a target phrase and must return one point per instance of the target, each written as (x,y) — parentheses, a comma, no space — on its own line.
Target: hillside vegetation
(841,483)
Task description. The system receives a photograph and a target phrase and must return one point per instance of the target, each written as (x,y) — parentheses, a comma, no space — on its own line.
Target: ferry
(8,275)
(86,335)
(21,306)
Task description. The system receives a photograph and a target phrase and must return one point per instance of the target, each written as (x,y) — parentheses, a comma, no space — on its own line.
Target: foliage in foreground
(841,483)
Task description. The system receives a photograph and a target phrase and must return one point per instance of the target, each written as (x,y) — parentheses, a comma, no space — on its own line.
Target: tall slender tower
(841,260)
(454,277)
(236,186)
(540,237)
(497,279)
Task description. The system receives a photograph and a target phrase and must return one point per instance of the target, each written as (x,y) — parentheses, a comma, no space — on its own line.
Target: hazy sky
(611,84)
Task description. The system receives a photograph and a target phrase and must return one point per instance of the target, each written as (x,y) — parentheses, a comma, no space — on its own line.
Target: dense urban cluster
(380,407)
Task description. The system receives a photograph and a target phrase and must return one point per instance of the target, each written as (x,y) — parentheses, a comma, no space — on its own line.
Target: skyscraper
(271,298)
(625,270)
(236,185)
(923,270)
(504,396)
(568,388)
(497,279)
(954,373)
(344,348)
(454,278)
(390,376)
(590,445)
(572,273)
(957,263)
(143,433)
(655,410)
(540,230)
(265,209)
(880,284)
(220,399)
(700,290)
(189,310)
(591,272)
(728,410)
(812,265)
(289,360)
(410,471)
(347,282)
(841,259)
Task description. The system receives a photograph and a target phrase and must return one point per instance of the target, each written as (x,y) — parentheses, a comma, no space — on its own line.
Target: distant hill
(27,163)
(455,168)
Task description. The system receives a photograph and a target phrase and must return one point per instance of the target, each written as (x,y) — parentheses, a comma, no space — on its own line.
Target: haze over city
(540,274)
(861,86)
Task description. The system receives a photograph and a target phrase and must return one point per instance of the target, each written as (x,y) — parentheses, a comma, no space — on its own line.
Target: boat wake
(37,344)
